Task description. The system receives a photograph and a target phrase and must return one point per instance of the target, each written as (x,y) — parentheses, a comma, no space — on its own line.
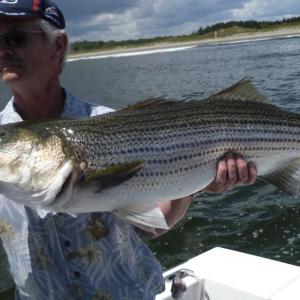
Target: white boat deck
(221,274)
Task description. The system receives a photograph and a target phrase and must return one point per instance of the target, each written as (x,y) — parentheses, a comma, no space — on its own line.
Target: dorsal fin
(151,102)
(243,90)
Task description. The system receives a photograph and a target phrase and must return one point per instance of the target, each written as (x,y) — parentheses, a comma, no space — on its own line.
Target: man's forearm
(175,210)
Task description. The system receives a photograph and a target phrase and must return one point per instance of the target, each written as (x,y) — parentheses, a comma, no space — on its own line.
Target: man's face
(29,62)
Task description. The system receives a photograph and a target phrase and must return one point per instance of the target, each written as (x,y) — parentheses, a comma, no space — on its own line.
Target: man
(64,256)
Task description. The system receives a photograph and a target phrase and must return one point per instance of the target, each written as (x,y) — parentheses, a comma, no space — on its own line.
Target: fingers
(252,171)
(231,172)
(239,171)
(217,185)
(221,175)
(228,173)
(242,169)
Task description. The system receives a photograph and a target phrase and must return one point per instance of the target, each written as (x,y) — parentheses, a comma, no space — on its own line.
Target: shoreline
(280,33)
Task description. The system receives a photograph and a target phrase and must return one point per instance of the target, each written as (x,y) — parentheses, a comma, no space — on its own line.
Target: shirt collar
(74,107)
(9,114)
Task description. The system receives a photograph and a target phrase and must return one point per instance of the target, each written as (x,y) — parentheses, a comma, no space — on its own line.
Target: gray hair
(51,33)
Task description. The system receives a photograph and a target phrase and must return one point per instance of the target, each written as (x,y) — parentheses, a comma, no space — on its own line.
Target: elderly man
(63,256)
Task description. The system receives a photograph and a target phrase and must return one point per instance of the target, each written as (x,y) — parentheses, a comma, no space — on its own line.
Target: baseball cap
(43,9)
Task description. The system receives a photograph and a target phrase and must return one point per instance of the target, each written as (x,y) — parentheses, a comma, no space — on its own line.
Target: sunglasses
(16,38)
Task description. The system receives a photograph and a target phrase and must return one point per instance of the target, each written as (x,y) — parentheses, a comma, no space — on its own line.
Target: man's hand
(231,172)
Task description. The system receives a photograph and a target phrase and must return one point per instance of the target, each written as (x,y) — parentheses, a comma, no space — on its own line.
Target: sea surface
(256,219)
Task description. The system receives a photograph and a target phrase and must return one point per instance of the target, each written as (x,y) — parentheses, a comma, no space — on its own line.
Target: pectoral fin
(144,216)
(287,178)
(112,175)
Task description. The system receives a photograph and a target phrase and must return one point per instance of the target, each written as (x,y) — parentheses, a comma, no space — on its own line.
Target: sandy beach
(295,31)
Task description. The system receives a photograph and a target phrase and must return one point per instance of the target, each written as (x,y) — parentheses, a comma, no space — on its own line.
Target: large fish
(127,161)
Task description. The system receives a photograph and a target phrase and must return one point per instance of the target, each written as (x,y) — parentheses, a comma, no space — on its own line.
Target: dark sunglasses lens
(14,39)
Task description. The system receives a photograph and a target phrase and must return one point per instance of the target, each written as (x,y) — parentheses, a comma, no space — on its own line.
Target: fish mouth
(65,192)
(49,194)
(65,186)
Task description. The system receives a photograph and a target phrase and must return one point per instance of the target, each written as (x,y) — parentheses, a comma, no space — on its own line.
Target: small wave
(244,41)
(258,39)
(133,53)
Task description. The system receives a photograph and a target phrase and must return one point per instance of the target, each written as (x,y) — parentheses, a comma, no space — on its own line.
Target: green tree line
(250,24)
(89,46)
(85,46)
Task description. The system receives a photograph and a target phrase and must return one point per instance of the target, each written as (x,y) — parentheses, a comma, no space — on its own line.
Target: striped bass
(129,160)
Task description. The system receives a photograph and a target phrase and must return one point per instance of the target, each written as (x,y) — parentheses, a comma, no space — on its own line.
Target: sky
(133,19)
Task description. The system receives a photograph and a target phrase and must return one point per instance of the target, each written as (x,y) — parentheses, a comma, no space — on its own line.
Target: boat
(223,274)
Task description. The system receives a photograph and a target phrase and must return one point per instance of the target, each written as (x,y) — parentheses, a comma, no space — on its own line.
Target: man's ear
(61,44)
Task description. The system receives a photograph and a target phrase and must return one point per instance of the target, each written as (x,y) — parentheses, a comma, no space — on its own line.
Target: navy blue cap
(43,9)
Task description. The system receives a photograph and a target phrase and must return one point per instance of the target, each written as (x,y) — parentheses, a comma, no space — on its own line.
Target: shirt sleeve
(100,110)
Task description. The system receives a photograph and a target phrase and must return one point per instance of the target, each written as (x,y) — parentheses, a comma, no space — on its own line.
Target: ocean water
(256,219)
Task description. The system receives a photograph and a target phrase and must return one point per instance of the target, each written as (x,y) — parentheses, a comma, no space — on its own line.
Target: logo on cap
(9,1)
(50,12)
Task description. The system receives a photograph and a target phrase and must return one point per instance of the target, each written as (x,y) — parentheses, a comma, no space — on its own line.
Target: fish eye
(3,134)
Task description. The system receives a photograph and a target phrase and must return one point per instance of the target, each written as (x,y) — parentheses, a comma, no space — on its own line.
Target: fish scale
(174,126)
(154,150)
